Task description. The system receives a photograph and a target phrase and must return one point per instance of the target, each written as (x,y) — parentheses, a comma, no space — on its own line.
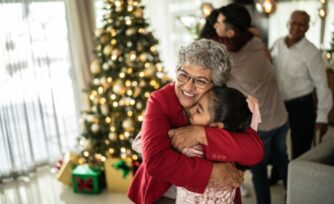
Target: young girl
(223,107)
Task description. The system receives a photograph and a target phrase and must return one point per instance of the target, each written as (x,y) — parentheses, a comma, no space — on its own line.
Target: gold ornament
(95,67)
(122,102)
(128,21)
(98,32)
(87,144)
(139,105)
(137,92)
(98,48)
(115,53)
(95,128)
(142,30)
(142,83)
(132,55)
(138,13)
(118,87)
(130,8)
(130,31)
(103,80)
(90,118)
(105,66)
(127,83)
(113,32)
(105,38)
(150,71)
(104,109)
(107,50)
(127,124)
(119,9)
(94,109)
(96,81)
(112,136)
(143,57)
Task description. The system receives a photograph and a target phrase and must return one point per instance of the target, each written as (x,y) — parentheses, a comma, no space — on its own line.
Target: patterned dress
(213,194)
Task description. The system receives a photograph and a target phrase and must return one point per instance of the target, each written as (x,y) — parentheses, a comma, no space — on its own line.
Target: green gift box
(87,180)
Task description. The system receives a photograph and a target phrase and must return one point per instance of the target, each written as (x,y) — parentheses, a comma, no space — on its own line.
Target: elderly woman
(202,65)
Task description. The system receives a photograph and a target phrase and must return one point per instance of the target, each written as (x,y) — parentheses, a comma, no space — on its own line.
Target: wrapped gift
(87,180)
(118,174)
(64,174)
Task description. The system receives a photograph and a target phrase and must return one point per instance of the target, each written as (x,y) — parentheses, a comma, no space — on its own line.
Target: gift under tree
(126,69)
(87,180)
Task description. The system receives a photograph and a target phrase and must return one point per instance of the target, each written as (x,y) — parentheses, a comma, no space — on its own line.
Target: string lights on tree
(126,69)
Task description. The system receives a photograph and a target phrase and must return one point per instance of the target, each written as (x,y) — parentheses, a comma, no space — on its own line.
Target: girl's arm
(246,148)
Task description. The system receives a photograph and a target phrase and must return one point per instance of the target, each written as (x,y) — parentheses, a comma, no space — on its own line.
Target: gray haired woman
(202,65)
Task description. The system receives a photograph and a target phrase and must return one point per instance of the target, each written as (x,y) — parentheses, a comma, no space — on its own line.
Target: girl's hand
(187,136)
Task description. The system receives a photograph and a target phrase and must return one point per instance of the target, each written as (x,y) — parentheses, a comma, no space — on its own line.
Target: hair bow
(253,106)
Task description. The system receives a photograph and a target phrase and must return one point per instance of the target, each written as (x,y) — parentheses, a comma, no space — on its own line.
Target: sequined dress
(213,194)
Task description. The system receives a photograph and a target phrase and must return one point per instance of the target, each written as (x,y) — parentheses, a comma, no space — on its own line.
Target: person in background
(207,31)
(299,69)
(253,74)
(202,65)
(227,108)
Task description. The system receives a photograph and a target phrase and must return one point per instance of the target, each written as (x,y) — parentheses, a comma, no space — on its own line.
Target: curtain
(38,103)
(81,24)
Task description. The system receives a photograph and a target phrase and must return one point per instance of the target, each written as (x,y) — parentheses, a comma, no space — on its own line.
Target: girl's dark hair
(230,107)
(208,31)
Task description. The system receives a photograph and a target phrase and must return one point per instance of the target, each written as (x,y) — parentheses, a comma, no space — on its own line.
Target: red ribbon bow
(85,184)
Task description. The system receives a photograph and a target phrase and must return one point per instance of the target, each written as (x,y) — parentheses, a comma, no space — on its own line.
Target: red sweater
(163,166)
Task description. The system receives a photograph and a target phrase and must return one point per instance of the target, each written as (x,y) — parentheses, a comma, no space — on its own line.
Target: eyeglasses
(297,24)
(200,83)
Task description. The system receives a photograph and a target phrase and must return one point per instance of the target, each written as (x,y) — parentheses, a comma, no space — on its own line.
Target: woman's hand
(187,136)
(195,151)
(226,174)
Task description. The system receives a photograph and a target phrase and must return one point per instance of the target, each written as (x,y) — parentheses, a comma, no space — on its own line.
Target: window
(38,116)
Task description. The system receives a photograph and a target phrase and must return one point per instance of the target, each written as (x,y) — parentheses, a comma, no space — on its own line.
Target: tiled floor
(43,188)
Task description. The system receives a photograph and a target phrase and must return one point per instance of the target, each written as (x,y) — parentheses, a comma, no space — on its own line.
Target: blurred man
(299,69)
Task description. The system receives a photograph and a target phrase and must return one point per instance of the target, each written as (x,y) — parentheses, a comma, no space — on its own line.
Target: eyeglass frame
(195,80)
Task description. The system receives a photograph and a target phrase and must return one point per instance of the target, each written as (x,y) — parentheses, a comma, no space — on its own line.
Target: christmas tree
(126,69)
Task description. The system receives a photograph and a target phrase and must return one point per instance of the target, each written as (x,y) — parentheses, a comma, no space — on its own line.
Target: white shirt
(299,69)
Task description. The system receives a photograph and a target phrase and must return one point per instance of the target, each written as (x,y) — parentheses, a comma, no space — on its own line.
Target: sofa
(311,176)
